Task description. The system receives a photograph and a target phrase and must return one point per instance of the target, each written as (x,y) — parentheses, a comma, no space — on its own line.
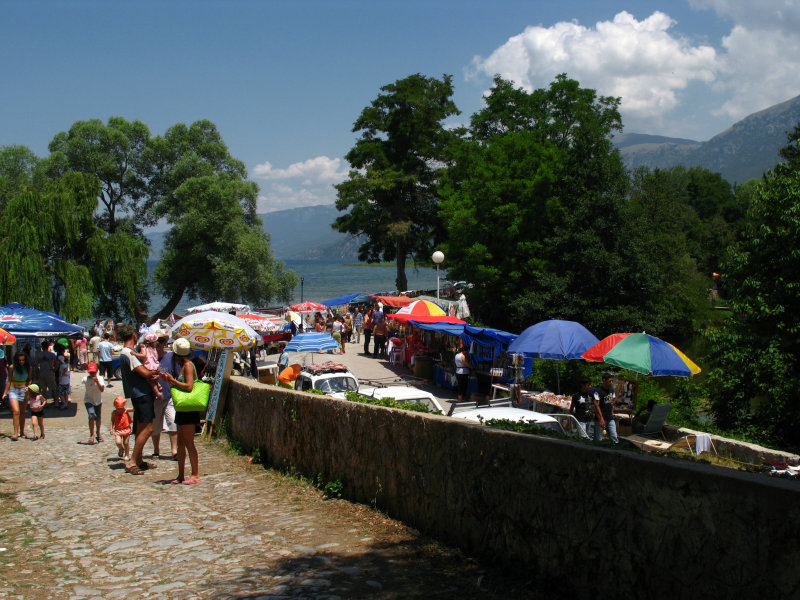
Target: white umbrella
(211,329)
(219,306)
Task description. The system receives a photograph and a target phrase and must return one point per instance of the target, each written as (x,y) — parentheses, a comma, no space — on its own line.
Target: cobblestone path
(74,524)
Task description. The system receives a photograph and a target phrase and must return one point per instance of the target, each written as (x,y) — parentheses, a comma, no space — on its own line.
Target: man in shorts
(136,383)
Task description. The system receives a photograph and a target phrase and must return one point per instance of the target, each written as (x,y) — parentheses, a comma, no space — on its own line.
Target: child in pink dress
(121,423)
(149,358)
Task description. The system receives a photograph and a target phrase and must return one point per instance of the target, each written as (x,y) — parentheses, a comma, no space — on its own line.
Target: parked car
(336,380)
(501,409)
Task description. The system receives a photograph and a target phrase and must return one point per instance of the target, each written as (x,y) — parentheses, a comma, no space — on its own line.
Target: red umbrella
(6,338)
(308,307)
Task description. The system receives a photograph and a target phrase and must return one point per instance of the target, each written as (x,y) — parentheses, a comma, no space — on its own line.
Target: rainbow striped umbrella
(642,353)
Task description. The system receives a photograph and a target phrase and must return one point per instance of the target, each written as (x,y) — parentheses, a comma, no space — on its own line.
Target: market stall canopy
(219,306)
(393,301)
(554,339)
(212,329)
(642,353)
(308,307)
(341,300)
(24,321)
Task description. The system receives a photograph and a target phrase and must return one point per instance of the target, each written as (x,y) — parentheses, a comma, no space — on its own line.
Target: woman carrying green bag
(186,421)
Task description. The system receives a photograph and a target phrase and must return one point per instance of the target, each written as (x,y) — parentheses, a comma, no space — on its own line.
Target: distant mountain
(295,234)
(744,151)
(306,233)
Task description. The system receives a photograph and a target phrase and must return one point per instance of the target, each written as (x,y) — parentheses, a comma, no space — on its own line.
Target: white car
(336,380)
(502,410)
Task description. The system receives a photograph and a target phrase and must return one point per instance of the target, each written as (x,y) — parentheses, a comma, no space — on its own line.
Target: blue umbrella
(554,339)
(312,341)
(25,321)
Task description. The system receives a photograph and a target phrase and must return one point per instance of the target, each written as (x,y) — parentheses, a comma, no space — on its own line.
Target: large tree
(756,353)
(395,163)
(140,177)
(53,256)
(532,207)
(217,248)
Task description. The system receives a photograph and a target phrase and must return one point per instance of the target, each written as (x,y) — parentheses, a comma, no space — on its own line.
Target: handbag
(195,400)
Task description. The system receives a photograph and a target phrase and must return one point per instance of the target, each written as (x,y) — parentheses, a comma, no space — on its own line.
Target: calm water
(323,279)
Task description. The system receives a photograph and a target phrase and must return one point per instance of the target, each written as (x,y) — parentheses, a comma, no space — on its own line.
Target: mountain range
(744,151)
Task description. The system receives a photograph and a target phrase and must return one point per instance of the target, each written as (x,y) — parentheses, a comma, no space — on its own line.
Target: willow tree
(391,189)
(53,256)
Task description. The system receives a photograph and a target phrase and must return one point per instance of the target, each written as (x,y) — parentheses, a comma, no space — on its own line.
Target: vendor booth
(434,345)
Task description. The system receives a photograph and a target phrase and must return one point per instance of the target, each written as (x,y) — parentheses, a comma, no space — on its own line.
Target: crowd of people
(349,325)
(149,371)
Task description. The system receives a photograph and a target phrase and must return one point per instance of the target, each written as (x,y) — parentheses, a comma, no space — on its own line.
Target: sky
(284,81)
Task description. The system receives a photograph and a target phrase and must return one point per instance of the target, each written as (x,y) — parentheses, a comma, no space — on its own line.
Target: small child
(149,358)
(121,422)
(36,403)
(92,399)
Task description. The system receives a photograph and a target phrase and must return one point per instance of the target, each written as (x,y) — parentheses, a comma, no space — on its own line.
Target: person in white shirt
(93,385)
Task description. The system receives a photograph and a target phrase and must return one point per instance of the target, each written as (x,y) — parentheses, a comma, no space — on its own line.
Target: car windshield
(337,384)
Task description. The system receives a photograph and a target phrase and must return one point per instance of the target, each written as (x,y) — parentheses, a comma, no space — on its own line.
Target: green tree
(395,163)
(52,254)
(217,248)
(756,353)
(211,254)
(17,166)
(532,207)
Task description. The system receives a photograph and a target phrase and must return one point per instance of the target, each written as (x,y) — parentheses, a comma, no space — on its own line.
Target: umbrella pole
(558,379)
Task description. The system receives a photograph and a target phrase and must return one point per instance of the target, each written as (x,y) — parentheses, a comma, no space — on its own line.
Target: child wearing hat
(121,425)
(93,385)
(36,404)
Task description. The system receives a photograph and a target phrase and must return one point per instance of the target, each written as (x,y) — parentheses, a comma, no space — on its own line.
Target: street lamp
(437,257)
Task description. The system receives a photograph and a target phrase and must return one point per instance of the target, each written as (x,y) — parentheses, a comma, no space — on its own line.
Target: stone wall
(592,521)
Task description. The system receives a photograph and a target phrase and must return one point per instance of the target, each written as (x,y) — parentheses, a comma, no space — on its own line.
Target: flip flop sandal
(190,481)
(134,470)
(176,481)
(14,438)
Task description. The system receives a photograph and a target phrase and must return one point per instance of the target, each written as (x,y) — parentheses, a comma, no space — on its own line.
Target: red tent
(394,301)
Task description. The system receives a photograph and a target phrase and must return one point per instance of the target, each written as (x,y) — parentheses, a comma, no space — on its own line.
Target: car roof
(504,412)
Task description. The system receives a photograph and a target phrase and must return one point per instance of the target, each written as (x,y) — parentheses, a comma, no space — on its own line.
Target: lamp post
(302,280)
(437,257)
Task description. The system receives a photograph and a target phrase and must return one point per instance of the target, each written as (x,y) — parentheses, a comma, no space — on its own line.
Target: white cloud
(640,61)
(320,168)
(306,183)
(761,63)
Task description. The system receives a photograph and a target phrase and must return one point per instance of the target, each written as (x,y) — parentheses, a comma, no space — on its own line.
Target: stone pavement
(74,524)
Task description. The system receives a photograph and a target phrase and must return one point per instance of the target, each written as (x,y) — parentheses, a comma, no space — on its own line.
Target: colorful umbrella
(308,307)
(642,353)
(6,338)
(423,311)
(212,329)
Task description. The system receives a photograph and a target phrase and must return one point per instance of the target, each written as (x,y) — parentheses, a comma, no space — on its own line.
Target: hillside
(744,151)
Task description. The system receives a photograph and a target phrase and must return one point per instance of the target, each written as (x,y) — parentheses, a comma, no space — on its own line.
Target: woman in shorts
(19,378)
(186,421)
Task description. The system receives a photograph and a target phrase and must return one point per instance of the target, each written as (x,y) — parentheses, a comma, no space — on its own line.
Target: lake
(323,279)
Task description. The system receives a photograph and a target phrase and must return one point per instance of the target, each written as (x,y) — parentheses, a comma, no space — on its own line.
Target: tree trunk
(400,259)
(165,312)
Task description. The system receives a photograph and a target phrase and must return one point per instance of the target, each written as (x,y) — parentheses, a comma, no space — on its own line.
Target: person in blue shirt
(104,350)
(283,360)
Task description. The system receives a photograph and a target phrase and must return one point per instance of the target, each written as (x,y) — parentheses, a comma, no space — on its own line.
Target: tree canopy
(391,189)
(754,384)
(94,261)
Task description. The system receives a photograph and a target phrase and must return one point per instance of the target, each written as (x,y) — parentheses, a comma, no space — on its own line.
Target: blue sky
(284,81)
